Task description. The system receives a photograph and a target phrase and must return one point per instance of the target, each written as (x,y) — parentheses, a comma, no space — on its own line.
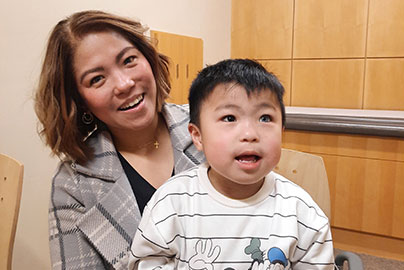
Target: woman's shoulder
(175,113)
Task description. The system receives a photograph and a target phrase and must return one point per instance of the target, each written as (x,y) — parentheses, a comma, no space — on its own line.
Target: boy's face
(241,138)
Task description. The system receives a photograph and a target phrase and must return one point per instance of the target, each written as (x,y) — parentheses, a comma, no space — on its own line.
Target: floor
(376,263)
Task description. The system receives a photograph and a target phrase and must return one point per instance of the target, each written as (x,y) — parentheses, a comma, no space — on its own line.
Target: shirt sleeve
(320,254)
(149,250)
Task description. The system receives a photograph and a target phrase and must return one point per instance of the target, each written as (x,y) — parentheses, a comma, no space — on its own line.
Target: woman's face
(116,81)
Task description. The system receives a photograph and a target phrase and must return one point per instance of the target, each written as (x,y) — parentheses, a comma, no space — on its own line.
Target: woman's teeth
(132,104)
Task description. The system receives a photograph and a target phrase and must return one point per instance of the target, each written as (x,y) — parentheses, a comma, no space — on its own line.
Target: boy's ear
(196,136)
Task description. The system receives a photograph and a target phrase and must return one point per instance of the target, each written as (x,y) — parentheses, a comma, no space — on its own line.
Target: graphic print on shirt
(206,254)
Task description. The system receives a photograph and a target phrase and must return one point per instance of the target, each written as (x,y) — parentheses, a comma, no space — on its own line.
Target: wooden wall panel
(366,194)
(384,85)
(328,83)
(262,29)
(386,24)
(369,147)
(193,63)
(366,182)
(329,29)
(334,31)
(282,70)
(169,45)
(186,59)
(376,245)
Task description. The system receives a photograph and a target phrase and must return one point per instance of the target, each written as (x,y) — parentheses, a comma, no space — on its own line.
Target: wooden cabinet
(186,60)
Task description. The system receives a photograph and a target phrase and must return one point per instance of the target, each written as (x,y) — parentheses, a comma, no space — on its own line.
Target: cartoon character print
(205,255)
(276,259)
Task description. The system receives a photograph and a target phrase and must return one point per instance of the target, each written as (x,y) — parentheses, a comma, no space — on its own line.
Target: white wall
(24,27)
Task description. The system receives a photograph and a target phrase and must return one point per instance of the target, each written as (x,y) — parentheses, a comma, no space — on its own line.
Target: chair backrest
(11,175)
(308,171)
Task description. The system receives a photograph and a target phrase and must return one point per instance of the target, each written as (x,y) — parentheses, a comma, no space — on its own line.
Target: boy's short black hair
(244,72)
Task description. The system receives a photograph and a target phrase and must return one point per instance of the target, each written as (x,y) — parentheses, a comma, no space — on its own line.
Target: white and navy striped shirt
(189,225)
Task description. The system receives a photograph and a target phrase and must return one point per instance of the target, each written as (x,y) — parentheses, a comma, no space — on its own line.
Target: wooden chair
(11,175)
(308,171)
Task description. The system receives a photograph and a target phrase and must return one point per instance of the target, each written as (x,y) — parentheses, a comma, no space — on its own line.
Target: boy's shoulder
(287,189)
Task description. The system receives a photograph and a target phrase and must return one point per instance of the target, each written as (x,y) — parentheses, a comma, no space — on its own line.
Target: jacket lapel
(185,154)
(111,221)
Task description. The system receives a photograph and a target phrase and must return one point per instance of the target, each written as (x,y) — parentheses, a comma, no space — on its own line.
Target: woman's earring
(90,133)
(87,118)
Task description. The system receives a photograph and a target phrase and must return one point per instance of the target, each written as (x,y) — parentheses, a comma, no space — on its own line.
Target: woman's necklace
(145,145)
(155,142)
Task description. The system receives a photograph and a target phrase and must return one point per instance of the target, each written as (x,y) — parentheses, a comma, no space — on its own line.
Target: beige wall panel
(325,29)
(327,83)
(262,29)
(282,69)
(386,24)
(384,84)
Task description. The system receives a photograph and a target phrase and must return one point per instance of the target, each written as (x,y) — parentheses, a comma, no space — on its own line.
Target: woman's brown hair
(58,103)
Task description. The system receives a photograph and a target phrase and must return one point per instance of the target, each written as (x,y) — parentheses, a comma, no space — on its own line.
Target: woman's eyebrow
(97,69)
(122,52)
(85,73)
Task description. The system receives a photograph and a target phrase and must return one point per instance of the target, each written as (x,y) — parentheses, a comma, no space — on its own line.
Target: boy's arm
(149,250)
(320,254)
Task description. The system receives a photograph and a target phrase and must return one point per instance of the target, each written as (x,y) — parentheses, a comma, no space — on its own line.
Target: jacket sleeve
(69,249)
(149,250)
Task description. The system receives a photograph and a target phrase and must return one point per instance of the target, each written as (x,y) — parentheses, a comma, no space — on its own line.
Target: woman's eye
(96,79)
(265,118)
(129,60)
(229,118)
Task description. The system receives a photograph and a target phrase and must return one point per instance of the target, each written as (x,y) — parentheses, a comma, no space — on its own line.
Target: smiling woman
(101,103)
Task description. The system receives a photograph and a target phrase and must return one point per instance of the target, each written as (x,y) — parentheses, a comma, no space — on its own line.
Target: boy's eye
(96,79)
(265,118)
(229,118)
(129,60)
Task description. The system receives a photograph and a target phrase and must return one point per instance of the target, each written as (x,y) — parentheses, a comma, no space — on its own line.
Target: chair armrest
(354,261)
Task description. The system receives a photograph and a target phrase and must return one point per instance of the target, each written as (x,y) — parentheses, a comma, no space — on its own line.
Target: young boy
(233,212)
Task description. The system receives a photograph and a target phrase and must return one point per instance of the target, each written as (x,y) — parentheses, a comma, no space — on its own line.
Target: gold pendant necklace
(154,142)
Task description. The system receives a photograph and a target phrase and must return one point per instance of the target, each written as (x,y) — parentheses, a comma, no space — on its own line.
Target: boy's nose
(249,133)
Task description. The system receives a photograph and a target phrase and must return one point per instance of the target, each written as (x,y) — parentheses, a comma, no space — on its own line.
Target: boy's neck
(232,189)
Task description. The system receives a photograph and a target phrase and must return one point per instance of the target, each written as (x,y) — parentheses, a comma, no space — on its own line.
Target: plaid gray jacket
(93,213)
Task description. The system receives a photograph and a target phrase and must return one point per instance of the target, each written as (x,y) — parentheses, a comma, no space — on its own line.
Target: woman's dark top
(141,188)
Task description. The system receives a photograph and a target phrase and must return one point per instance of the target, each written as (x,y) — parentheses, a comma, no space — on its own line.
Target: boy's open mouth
(248,158)
(132,104)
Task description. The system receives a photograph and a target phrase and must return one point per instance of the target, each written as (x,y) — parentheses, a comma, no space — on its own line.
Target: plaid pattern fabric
(93,213)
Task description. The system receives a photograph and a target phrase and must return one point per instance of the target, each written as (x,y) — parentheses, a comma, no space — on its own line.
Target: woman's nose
(123,83)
